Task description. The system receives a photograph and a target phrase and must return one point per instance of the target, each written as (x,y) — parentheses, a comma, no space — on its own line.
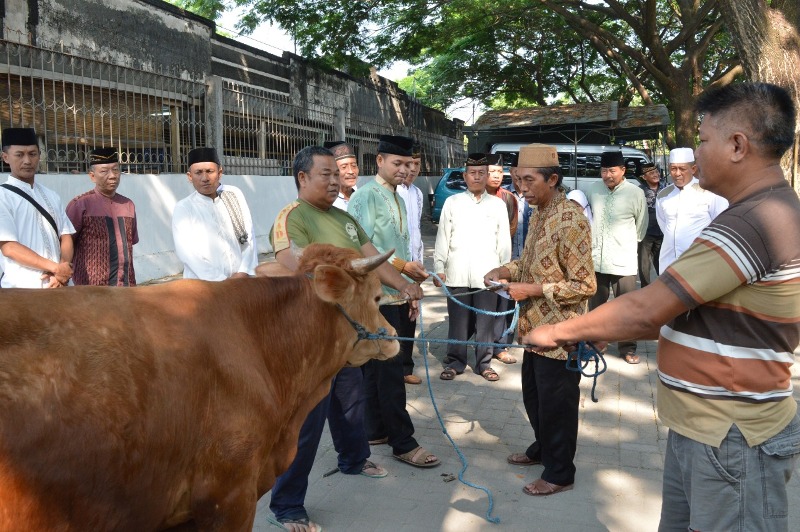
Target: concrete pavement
(620,455)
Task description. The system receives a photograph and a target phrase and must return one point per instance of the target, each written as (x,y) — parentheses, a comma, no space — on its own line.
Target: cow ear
(332,284)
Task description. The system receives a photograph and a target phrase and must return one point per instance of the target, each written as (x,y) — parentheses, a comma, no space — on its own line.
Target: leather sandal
(631,358)
(490,375)
(521,459)
(542,488)
(505,358)
(448,374)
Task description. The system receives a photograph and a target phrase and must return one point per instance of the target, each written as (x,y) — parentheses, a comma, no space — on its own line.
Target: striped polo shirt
(727,360)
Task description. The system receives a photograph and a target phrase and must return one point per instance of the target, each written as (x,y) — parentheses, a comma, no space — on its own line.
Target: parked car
(580,163)
(451,182)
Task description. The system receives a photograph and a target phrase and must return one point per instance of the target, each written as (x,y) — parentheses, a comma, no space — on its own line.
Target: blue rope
(461,456)
(586,353)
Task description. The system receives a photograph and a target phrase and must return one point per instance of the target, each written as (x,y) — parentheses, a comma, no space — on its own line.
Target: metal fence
(154,118)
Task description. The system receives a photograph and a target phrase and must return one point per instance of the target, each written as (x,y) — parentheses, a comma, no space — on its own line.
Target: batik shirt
(105,232)
(557,255)
(727,360)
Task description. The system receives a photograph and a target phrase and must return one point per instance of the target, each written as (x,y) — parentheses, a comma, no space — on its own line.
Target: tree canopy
(537,52)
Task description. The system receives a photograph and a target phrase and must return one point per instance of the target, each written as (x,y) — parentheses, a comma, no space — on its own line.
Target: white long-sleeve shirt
(682,214)
(205,240)
(473,238)
(412,195)
(21,222)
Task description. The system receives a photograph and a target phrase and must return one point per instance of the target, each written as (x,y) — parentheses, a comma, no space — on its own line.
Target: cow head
(342,277)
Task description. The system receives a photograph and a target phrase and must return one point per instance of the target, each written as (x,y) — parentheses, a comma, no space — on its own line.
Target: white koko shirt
(205,240)
(682,214)
(21,222)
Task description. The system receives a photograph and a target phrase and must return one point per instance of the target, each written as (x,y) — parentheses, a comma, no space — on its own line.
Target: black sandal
(490,375)
(448,374)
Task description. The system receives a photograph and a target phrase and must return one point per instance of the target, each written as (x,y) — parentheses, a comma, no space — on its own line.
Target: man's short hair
(767,109)
(547,171)
(304,161)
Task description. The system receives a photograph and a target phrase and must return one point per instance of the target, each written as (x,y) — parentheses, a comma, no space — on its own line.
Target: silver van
(580,163)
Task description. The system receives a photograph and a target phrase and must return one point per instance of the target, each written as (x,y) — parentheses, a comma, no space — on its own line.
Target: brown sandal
(505,358)
(490,375)
(542,488)
(521,459)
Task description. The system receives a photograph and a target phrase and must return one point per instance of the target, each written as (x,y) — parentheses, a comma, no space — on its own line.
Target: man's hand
(413,310)
(63,272)
(541,339)
(415,270)
(493,275)
(240,275)
(412,292)
(437,282)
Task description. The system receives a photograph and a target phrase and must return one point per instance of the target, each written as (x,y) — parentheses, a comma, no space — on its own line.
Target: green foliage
(210,9)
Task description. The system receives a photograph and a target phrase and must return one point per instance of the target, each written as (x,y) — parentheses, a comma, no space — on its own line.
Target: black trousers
(649,250)
(385,393)
(407,347)
(463,323)
(551,396)
(619,284)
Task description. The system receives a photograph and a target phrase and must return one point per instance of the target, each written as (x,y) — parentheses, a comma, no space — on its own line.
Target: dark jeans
(344,409)
(407,348)
(618,284)
(649,250)
(385,393)
(465,322)
(551,396)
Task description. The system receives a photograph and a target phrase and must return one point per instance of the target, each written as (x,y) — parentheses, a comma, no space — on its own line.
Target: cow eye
(377,299)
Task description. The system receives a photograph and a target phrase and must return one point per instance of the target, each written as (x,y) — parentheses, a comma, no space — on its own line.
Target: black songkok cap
(395,145)
(477,159)
(416,150)
(494,159)
(203,155)
(609,159)
(104,156)
(19,136)
(511,159)
(340,149)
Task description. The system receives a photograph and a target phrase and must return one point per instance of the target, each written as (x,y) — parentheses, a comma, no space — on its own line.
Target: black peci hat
(476,159)
(104,156)
(19,136)
(395,145)
(203,155)
(609,159)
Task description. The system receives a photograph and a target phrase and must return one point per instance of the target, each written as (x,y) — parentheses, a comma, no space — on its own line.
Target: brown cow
(145,408)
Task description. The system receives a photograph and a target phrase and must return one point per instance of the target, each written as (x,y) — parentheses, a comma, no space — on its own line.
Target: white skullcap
(578,197)
(681,155)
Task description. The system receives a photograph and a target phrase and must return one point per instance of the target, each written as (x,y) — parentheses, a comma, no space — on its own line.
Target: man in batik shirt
(553,280)
(105,226)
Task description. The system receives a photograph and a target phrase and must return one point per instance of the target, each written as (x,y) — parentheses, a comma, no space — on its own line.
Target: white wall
(155,197)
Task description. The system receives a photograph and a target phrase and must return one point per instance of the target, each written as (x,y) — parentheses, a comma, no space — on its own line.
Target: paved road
(620,455)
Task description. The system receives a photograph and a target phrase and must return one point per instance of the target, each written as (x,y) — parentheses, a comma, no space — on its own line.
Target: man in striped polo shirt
(727,319)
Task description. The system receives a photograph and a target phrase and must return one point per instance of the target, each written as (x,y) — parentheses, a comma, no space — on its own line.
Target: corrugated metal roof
(582,113)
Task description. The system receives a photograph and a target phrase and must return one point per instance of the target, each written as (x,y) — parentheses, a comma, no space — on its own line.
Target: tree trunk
(768,42)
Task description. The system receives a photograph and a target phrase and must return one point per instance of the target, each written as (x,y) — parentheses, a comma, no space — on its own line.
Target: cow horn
(367,264)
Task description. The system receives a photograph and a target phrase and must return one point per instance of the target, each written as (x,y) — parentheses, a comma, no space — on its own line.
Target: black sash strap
(39,208)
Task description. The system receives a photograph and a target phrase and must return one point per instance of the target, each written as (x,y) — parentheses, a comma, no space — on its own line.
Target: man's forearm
(27,257)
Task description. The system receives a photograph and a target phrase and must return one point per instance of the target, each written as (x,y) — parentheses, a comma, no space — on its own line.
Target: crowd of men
(723,237)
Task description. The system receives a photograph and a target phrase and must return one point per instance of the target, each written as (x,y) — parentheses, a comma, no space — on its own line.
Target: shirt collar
(478,200)
(19,183)
(385,184)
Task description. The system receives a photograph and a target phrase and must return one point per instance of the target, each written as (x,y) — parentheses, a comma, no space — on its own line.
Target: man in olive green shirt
(312,218)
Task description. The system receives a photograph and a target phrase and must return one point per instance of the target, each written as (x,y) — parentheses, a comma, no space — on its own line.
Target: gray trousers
(731,488)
